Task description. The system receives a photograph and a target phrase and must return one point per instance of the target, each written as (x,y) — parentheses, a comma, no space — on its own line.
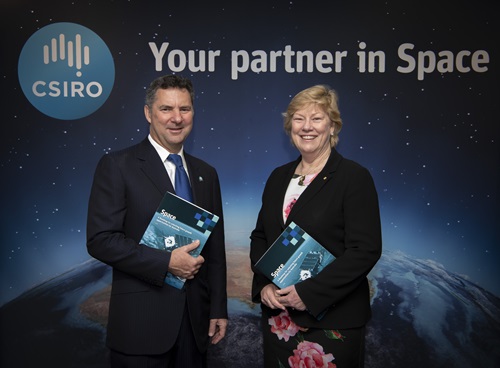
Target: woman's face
(311,130)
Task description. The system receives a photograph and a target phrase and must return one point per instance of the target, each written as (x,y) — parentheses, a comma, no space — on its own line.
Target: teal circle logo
(66,71)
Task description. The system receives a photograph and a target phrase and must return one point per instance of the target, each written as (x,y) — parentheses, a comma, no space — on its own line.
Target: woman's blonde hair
(324,97)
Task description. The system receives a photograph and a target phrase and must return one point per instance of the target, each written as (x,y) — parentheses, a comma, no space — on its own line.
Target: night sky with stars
(432,145)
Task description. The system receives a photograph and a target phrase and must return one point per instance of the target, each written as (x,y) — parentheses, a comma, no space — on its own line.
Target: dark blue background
(431,145)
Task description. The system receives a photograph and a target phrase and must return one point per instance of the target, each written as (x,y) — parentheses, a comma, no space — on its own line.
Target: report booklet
(175,223)
(294,257)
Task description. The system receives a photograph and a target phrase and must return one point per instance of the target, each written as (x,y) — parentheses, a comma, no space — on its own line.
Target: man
(152,324)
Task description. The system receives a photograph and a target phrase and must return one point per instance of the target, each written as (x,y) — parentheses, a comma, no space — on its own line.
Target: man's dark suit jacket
(340,210)
(145,313)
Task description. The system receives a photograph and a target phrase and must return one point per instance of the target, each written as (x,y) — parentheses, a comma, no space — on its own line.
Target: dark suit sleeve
(217,274)
(266,230)
(120,207)
(208,289)
(257,249)
(350,227)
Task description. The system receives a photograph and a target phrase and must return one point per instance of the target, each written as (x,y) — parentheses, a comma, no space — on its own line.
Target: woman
(321,319)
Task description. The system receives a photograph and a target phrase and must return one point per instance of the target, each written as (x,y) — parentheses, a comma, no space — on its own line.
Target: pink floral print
(283,326)
(289,207)
(310,355)
(307,354)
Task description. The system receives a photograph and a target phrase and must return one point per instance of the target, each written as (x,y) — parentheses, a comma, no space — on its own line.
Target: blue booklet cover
(175,223)
(294,257)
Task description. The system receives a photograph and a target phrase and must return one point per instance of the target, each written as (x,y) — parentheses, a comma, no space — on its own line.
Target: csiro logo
(66,71)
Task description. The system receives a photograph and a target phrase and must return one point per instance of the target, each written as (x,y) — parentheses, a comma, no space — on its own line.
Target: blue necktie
(182,186)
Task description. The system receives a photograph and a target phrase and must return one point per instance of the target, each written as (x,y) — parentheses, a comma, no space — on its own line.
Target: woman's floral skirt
(288,345)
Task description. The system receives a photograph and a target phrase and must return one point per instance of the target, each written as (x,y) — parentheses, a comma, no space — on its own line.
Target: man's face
(170,118)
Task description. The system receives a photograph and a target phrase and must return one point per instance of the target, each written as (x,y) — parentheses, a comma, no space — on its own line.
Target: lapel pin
(200,179)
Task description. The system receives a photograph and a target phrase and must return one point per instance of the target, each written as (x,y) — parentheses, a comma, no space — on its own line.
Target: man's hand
(183,264)
(217,329)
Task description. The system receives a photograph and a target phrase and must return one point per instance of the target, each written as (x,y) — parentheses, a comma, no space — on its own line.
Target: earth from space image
(423,316)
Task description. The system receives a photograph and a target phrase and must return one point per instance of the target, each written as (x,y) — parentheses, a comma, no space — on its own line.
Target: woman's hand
(288,297)
(268,297)
(276,298)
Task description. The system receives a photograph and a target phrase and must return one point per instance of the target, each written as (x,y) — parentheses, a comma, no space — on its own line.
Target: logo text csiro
(66,71)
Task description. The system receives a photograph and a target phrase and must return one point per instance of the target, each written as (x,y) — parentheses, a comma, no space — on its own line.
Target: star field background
(431,145)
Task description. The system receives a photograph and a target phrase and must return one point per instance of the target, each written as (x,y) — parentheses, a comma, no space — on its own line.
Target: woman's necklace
(302,177)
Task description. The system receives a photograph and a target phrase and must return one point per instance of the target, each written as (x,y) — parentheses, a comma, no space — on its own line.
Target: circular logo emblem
(66,71)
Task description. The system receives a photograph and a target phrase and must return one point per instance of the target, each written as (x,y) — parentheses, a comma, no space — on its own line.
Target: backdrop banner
(416,82)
